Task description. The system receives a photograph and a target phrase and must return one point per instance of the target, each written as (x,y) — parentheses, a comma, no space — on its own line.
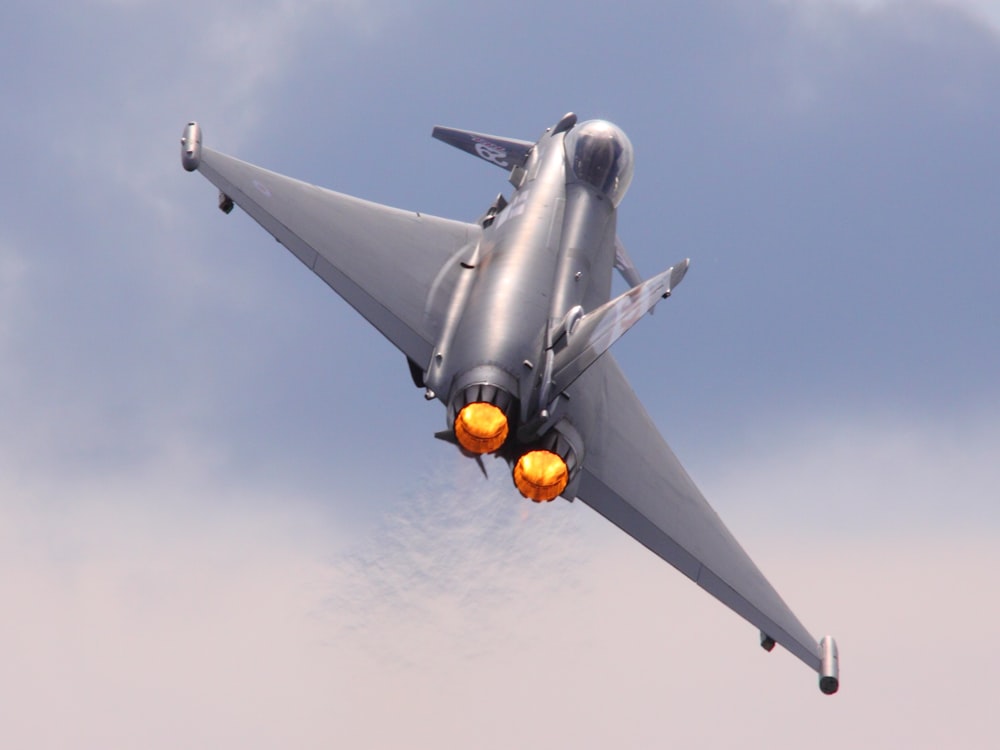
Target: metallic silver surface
(191,147)
(515,311)
(829,671)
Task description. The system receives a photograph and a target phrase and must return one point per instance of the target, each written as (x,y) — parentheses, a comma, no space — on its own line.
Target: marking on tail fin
(491,152)
(505,153)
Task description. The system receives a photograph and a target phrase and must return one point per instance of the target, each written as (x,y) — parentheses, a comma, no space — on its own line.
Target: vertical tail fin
(505,153)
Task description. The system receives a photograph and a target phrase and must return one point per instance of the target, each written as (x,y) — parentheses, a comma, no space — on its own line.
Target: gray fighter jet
(508,321)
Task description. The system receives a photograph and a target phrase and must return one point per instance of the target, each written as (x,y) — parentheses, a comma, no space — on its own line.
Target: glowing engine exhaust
(480,414)
(481,427)
(543,473)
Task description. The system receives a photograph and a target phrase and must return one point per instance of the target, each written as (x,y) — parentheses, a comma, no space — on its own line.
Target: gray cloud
(867,475)
(194,546)
(471,616)
(817,11)
(452,555)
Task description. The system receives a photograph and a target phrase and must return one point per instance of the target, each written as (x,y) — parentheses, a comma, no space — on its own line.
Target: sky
(223,518)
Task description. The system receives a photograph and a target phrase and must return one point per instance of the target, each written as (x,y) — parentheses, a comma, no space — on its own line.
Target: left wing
(632,478)
(395,267)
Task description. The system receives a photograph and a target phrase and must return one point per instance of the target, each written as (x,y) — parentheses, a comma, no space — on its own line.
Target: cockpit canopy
(600,154)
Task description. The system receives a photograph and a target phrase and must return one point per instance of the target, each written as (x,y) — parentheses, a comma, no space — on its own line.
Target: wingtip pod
(829,670)
(674,274)
(678,271)
(191,146)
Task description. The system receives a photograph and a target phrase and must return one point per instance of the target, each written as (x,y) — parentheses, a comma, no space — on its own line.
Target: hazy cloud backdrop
(223,518)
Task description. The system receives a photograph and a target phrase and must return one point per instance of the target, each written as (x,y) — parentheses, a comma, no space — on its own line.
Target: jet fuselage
(552,249)
(508,321)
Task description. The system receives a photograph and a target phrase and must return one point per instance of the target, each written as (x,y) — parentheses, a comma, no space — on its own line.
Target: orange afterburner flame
(541,475)
(481,427)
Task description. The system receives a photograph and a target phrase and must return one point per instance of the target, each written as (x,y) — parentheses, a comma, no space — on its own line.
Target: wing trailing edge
(631,477)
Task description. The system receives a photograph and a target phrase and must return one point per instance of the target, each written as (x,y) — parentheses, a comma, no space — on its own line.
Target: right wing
(631,477)
(596,331)
(396,268)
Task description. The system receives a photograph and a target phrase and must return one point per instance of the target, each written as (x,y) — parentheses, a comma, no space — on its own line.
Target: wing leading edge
(397,268)
(631,477)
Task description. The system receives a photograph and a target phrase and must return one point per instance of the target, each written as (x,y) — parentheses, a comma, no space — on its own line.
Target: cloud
(109,282)
(882,473)
(460,560)
(113,84)
(161,607)
(12,271)
(983,12)
(182,557)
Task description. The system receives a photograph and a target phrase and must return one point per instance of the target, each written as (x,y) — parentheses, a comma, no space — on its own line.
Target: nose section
(600,154)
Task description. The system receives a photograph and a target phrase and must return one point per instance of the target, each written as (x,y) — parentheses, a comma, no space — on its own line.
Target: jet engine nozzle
(542,473)
(481,417)
(481,427)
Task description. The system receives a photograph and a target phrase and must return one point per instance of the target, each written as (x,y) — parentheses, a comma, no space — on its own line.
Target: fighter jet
(508,320)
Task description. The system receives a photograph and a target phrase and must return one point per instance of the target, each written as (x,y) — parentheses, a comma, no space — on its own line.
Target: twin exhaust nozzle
(544,468)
